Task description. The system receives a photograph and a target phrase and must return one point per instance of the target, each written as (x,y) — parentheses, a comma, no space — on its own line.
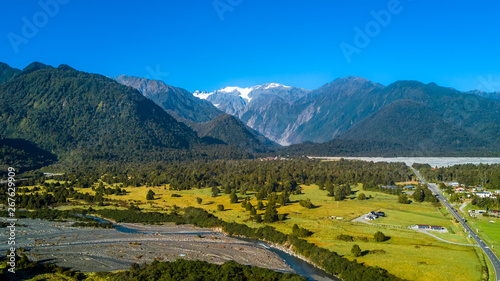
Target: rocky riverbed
(88,249)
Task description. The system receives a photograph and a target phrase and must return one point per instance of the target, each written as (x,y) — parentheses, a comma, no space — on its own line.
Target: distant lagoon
(433,161)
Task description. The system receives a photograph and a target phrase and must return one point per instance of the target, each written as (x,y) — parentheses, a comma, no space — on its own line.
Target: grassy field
(407,254)
(489,228)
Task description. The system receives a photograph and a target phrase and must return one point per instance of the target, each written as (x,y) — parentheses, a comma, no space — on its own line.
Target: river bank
(90,249)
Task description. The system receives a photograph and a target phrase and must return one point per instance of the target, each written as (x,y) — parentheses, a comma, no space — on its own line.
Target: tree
(248,206)
(260,205)
(233,198)
(253,212)
(306,203)
(300,231)
(418,195)
(356,250)
(215,191)
(330,188)
(220,207)
(271,215)
(379,236)
(199,200)
(150,195)
(258,218)
(403,198)
(361,196)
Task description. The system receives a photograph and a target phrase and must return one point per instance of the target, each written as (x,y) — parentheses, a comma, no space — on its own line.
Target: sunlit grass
(408,254)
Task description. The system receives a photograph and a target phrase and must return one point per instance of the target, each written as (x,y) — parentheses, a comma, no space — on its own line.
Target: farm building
(423,226)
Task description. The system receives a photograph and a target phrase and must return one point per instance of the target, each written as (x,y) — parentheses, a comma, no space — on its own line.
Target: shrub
(356,250)
(379,236)
(345,237)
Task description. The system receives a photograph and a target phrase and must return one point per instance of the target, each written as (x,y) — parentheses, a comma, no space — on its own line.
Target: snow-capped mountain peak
(244,92)
(274,85)
(202,95)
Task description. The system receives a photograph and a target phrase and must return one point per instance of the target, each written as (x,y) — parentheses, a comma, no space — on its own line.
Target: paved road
(462,207)
(493,258)
(439,238)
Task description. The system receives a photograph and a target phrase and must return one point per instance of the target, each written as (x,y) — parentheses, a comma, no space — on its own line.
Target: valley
(332,223)
(142,151)
(236,140)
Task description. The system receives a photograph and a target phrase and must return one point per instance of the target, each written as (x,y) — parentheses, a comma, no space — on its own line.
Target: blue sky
(207,44)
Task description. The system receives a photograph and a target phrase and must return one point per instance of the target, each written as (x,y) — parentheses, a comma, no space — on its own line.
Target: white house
(483,194)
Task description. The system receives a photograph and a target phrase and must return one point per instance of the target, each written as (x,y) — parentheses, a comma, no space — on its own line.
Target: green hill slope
(86,117)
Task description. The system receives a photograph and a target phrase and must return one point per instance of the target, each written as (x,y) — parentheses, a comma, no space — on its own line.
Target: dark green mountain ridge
(83,117)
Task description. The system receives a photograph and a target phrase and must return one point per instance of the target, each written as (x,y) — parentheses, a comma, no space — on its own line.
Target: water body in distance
(433,161)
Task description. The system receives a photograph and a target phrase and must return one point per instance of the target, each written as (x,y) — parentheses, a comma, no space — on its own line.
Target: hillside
(233,132)
(415,127)
(491,95)
(358,109)
(265,108)
(23,156)
(419,119)
(178,102)
(83,117)
(7,72)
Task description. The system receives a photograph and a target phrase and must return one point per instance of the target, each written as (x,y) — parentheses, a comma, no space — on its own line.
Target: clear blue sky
(452,43)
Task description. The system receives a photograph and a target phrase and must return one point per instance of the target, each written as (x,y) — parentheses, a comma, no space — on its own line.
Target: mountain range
(75,117)
(410,115)
(83,118)
(199,114)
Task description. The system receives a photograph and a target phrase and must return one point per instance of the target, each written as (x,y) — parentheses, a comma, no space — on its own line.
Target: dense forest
(23,155)
(198,270)
(488,176)
(273,181)
(262,177)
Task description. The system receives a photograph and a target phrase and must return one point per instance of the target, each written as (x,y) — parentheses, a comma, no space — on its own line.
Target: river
(299,266)
(433,161)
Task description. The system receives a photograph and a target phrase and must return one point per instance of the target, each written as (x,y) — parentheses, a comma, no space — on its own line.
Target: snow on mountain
(202,95)
(275,85)
(244,93)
